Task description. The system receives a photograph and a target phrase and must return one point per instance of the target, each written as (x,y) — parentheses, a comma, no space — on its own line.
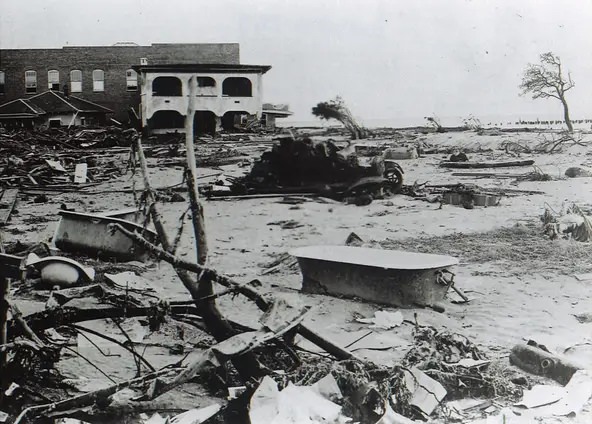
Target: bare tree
(546,80)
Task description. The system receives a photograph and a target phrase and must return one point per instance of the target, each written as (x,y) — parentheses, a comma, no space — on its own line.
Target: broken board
(465,165)
(7,202)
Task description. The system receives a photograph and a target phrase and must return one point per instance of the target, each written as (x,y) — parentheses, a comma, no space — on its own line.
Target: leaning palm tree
(336,109)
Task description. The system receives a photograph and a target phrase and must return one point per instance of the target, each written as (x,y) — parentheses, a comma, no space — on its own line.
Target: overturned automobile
(306,166)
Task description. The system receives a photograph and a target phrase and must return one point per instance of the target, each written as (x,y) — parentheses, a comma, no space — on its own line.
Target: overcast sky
(386,58)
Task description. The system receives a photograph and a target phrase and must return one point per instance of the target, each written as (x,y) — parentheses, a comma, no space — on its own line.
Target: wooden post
(189,126)
(196,208)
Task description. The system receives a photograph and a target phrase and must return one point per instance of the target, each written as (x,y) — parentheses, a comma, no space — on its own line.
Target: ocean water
(527,121)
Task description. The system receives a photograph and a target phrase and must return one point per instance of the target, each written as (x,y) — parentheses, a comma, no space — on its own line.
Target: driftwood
(505,164)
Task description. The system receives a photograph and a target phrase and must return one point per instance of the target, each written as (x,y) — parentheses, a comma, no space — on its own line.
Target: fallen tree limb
(206,273)
(67,315)
(86,399)
(220,328)
(249,292)
(17,316)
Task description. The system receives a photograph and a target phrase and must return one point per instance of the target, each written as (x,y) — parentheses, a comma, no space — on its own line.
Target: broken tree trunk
(196,208)
(248,292)
(247,365)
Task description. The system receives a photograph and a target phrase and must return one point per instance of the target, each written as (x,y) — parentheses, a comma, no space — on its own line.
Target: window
(143,61)
(98,80)
(206,86)
(76,81)
(53,80)
(55,123)
(237,87)
(30,82)
(206,82)
(167,86)
(131,80)
(2,82)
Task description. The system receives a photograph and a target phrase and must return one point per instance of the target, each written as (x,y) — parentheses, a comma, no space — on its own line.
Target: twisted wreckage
(304,166)
(259,373)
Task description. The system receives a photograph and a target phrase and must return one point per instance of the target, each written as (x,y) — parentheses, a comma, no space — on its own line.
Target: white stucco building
(223,95)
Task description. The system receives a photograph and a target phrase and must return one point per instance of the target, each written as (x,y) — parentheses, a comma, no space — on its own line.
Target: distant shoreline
(524,125)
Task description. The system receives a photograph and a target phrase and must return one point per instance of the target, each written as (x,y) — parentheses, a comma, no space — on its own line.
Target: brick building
(100,74)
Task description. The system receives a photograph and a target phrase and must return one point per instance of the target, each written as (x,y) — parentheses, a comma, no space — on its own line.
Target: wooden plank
(7,202)
(464,165)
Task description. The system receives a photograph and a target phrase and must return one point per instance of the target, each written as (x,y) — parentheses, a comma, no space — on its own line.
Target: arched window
(167,86)
(98,80)
(206,86)
(131,80)
(166,119)
(30,82)
(53,80)
(76,81)
(206,82)
(237,87)
(2,82)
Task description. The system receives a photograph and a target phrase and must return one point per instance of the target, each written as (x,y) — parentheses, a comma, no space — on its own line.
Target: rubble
(49,158)
(443,376)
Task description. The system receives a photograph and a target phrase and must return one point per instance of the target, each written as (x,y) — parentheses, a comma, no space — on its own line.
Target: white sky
(386,58)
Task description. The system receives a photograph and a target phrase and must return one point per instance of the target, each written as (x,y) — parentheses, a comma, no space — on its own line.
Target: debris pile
(465,195)
(257,369)
(59,157)
(303,166)
(456,363)
(573,224)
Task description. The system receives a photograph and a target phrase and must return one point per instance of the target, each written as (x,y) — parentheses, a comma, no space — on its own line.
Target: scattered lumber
(38,158)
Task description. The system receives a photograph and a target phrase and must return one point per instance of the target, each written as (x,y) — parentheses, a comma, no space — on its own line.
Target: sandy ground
(511,302)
